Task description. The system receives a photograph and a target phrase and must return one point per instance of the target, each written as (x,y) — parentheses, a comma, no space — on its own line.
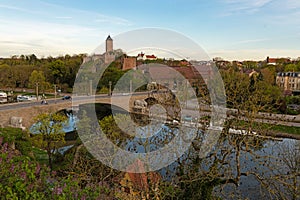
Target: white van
(3,97)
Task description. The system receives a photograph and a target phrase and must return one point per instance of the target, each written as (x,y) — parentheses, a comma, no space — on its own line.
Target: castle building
(129,62)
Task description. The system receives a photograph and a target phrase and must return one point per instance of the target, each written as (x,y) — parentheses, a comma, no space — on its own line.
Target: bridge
(28,111)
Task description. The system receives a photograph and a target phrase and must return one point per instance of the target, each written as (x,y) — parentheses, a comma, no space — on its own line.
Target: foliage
(22,178)
(17,139)
(104,90)
(16,71)
(250,94)
(112,74)
(49,126)
(292,68)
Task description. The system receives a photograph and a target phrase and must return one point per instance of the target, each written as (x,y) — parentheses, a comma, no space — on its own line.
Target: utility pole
(130,86)
(54,93)
(37,90)
(109,88)
(91,87)
(186,92)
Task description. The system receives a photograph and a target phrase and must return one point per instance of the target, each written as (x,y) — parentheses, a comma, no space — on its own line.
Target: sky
(230,29)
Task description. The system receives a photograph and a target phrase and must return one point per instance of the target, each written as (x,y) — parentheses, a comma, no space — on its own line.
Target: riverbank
(277,131)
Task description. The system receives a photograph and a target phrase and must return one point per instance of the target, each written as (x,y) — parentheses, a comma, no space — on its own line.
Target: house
(275,61)
(151,57)
(141,56)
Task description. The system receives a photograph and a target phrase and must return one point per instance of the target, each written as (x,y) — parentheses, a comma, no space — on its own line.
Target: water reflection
(265,160)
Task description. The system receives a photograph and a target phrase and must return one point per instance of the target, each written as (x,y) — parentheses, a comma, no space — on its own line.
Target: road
(287,120)
(58,100)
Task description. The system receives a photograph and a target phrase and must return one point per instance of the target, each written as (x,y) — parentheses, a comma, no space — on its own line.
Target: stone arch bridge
(28,111)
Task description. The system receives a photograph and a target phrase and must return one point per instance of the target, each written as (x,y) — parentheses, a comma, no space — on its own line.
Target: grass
(263,126)
(286,129)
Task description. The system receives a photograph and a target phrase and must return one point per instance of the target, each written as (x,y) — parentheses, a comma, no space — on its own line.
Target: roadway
(59,100)
(287,120)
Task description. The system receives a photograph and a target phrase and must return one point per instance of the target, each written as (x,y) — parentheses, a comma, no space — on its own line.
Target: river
(263,161)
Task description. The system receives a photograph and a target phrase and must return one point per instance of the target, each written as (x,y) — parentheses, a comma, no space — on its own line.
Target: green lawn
(271,127)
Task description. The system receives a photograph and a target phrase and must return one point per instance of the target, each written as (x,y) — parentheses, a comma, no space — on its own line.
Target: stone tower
(109,54)
(109,44)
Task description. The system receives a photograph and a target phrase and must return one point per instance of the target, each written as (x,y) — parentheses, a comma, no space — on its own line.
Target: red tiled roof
(150,56)
(275,60)
(190,72)
(272,60)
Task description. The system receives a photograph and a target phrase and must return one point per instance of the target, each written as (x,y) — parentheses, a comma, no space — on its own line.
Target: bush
(22,178)
(18,139)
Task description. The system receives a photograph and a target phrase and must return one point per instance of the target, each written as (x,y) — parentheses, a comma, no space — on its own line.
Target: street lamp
(37,90)
(110,83)
(55,93)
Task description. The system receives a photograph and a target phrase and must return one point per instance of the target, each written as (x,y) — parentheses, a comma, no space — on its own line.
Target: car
(21,98)
(66,97)
(188,118)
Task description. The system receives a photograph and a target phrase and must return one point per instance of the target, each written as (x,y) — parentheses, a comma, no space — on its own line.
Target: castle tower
(109,44)
(109,54)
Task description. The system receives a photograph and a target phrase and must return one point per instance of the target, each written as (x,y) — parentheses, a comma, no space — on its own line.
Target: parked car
(66,97)
(188,118)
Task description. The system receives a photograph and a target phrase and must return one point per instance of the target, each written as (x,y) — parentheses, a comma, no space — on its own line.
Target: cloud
(48,29)
(45,38)
(82,15)
(244,6)
(64,17)
(251,41)
(9,7)
(254,54)
(292,4)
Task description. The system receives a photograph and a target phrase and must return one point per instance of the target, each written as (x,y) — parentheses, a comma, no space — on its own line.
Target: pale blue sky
(231,29)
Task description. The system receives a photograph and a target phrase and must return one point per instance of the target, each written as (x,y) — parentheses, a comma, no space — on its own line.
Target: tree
(38,78)
(49,127)
(291,68)
(58,70)
(269,74)
(287,163)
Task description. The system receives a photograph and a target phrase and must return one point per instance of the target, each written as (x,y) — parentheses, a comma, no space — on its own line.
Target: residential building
(275,61)
(141,56)
(151,57)
(289,81)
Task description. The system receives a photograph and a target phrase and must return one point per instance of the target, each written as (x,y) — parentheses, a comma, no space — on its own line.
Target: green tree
(58,71)
(269,74)
(50,128)
(37,77)
(291,68)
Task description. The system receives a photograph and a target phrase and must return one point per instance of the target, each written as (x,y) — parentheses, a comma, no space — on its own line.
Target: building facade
(288,81)
(129,62)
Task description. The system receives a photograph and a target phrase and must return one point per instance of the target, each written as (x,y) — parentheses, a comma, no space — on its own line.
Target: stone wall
(28,114)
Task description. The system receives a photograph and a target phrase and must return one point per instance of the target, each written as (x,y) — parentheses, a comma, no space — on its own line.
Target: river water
(264,161)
